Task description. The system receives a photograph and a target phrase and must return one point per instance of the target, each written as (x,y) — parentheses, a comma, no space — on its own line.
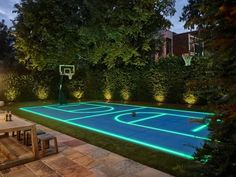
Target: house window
(196,46)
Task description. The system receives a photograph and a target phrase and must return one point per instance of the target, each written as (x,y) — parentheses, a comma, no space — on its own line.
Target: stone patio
(79,159)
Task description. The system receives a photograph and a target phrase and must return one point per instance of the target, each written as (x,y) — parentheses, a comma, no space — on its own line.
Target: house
(179,44)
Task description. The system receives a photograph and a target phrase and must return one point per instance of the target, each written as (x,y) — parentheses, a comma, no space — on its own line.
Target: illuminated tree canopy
(216,21)
(107,32)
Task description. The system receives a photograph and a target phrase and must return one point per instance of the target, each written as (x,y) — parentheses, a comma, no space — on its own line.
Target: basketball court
(173,131)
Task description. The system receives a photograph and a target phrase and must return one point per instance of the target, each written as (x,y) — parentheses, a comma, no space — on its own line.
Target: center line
(147,118)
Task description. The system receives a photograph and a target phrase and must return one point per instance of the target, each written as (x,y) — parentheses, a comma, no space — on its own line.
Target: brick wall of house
(180,43)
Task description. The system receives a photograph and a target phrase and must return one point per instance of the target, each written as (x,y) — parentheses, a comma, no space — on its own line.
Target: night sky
(6,7)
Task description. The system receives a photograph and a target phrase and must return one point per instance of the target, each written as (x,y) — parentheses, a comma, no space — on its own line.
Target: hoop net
(187,57)
(67,70)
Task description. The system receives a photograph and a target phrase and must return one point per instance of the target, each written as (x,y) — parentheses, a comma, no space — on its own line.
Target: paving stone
(75,156)
(110,171)
(63,138)
(41,169)
(150,172)
(86,148)
(84,161)
(99,153)
(128,175)
(79,159)
(128,166)
(110,160)
(74,143)
(59,163)
(19,171)
(62,147)
(53,157)
(69,151)
(74,171)
(97,173)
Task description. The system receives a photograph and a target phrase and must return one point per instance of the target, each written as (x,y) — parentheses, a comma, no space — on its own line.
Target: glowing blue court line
(40,106)
(106,110)
(96,115)
(160,129)
(75,111)
(136,141)
(82,109)
(169,109)
(59,105)
(147,118)
(200,128)
(143,119)
(183,116)
(40,114)
(110,108)
(70,105)
(116,136)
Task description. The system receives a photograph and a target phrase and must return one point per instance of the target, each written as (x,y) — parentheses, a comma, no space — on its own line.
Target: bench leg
(43,148)
(55,144)
(18,135)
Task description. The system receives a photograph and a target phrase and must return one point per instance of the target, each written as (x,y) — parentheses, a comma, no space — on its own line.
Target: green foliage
(218,156)
(216,23)
(17,85)
(121,82)
(203,81)
(41,92)
(11,87)
(7,57)
(125,93)
(112,33)
(190,98)
(167,79)
(121,32)
(47,32)
(94,81)
(159,85)
(76,88)
(11,94)
(2,87)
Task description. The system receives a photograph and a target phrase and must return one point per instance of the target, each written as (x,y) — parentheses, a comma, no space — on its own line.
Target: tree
(219,155)
(107,32)
(46,32)
(122,32)
(216,22)
(6,46)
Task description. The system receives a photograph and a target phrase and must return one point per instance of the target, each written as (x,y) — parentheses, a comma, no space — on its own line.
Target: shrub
(159,86)
(159,96)
(11,94)
(190,98)
(11,87)
(76,88)
(218,155)
(107,94)
(125,94)
(41,92)
(78,94)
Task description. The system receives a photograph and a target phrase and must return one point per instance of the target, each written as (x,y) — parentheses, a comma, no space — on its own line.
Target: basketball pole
(67,70)
(61,96)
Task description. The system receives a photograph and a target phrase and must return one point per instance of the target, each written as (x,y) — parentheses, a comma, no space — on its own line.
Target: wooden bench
(27,136)
(44,141)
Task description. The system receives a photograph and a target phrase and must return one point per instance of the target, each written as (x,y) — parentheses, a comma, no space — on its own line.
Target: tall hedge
(167,80)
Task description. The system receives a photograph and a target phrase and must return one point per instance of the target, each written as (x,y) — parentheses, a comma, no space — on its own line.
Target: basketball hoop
(187,57)
(67,70)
